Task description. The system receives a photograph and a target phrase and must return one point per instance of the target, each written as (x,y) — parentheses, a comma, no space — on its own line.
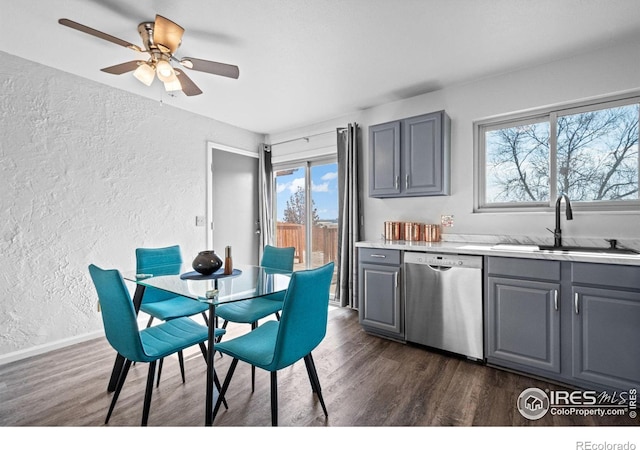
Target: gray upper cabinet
(384,141)
(410,157)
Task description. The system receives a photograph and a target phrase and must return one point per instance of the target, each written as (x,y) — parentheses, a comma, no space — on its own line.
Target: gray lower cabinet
(577,323)
(523,318)
(380,306)
(410,157)
(606,325)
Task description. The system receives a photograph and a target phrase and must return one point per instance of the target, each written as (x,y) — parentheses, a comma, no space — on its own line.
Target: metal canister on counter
(412,231)
(432,233)
(393,231)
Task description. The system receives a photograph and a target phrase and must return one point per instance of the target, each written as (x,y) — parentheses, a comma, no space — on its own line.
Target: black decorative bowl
(206,262)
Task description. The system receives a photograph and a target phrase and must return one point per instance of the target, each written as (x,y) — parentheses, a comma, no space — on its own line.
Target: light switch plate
(200,221)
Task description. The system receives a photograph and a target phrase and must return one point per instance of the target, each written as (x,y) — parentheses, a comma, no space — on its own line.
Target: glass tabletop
(247,282)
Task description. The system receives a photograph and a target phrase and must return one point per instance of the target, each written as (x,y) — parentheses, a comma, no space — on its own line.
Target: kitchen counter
(507,250)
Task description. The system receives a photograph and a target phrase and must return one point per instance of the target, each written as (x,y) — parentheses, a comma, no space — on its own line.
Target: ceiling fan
(161,39)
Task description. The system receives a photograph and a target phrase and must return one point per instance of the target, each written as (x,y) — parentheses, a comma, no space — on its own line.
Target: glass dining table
(246,282)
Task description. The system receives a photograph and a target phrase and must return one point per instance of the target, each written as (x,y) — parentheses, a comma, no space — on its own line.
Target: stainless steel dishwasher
(443,302)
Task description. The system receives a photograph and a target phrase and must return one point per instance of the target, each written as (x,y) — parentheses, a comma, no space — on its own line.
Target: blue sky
(324,189)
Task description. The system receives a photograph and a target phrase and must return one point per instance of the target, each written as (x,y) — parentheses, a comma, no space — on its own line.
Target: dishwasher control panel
(437,259)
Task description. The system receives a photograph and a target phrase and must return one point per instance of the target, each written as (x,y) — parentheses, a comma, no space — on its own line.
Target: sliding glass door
(307,211)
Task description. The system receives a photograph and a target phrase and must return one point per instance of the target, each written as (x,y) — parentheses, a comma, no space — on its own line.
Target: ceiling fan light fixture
(145,73)
(165,71)
(173,85)
(160,40)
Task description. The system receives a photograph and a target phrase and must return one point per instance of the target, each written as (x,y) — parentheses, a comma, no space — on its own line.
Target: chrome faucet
(557,233)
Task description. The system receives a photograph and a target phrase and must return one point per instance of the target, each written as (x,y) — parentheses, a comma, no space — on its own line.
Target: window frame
(550,114)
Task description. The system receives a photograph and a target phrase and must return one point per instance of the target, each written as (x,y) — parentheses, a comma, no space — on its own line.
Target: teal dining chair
(275,345)
(162,305)
(146,346)
(251,311)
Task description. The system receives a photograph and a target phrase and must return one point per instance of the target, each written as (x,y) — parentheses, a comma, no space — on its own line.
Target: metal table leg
(210,368)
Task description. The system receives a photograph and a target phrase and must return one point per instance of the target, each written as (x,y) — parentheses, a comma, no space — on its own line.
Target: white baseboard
(44,348)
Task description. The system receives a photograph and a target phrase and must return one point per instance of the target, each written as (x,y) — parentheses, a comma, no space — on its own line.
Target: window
(589,152)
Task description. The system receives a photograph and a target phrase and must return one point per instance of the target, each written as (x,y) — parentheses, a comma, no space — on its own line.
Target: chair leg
(310,374)
(278,316)
(224,327)
(274,399)
(160,371)
(148,392)
(123,376)
(181,362)
(206,319)
(149,322)
(225,386)
(203,350)
(315,381)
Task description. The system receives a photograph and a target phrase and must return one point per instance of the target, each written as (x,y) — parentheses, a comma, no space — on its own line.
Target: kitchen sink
(564,249)
(579,249)
(516,247)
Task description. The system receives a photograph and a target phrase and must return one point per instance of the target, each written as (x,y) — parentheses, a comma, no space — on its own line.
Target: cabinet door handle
(406,182)
(576,299)
(555,298)
(397,274)
(397,182)
(376,255)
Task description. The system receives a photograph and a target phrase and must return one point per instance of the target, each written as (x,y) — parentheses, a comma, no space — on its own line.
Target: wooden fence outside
(324,246)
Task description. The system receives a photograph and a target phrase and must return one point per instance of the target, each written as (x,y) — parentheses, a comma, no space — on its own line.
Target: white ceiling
(306,61)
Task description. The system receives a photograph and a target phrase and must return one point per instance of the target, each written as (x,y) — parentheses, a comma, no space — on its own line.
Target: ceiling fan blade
(166,33)
(188,87)
(119,69)
(99,34)
(216,68)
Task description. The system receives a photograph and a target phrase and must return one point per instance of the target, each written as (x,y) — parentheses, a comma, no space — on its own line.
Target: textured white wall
(88,173)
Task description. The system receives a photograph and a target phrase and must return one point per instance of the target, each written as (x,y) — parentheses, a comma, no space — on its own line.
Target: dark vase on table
(207,262)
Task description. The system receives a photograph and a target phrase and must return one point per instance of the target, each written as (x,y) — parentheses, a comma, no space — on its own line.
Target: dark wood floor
(367,381)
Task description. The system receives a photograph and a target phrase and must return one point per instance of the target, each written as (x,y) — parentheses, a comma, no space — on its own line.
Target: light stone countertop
(510,249)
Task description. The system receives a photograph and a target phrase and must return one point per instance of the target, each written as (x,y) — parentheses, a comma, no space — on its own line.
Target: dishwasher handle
(443,262)
(439,268)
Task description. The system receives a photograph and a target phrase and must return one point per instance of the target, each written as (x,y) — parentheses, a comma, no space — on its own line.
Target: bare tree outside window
(296,212)
(518,164)
(596,158)
(598,154)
